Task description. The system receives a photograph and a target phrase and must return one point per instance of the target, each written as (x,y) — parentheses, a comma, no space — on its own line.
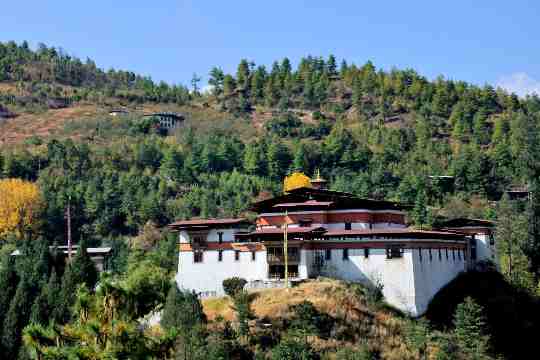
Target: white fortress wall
(431,276)
(208,275)
(395,274)
(213,235)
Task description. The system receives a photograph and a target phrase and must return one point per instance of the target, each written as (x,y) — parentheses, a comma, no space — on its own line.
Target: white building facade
(329,234)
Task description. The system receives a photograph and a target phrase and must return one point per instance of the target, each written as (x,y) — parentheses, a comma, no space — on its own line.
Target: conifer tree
(8,286)
(511,241)
(182,310)
(16,319)
(470,329)
(300,161)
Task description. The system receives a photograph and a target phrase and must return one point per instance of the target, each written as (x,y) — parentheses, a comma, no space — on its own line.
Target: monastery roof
(465,222)
(405,232)
(395,233)
(208,223)
(305,203)
(339,200)
(290,230)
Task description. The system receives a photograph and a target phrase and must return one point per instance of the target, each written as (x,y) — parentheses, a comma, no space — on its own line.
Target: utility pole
(68,215)
(286,251)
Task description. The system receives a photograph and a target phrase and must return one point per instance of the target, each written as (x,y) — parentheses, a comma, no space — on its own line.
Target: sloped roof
(465,222)
(208,223)
(404,232)
(340,200)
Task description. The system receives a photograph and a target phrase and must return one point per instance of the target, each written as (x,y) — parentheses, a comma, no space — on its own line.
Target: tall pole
(286,251)
(68,215)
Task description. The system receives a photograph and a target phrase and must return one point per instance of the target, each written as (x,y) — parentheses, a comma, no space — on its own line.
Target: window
(198,240)
(253,255)
(430,255)
(446,254)
(348,225)
(220,237)
(328,254)
(459,254)
(393,252)
(220,255)
(454,254)
(236,255)
(366,252)
(198,256)
(345,254)
(420,254)
(491,239)
(440,255)
(305,222)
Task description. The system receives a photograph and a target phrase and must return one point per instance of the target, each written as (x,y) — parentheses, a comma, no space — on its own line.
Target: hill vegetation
(447,147)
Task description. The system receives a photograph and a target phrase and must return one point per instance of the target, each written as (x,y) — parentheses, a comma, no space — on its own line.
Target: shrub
(308,319)
(233,286)
(292,349)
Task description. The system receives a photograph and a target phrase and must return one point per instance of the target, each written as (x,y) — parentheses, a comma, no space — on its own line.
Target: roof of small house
(208,223)
(64,250)
(465,222)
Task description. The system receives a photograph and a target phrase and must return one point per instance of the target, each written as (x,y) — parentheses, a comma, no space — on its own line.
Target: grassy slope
(356,321)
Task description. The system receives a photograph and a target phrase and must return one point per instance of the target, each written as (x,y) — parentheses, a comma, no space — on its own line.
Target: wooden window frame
(198,256)
(328,254)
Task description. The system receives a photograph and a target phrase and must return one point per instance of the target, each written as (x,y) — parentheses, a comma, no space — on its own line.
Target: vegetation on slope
(379,134)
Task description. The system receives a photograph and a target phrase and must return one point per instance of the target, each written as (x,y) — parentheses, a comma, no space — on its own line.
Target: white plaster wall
(395,274)
(341,226)
(210,273)
(431,276)
(484,251)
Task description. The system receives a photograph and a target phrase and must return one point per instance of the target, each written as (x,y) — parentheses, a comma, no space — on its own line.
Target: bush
(308,319)
(233,286)
(292,349)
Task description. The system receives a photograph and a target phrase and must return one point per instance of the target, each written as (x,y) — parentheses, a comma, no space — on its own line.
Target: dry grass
(381,329)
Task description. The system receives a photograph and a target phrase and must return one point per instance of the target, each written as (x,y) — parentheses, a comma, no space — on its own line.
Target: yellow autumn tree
(20,205)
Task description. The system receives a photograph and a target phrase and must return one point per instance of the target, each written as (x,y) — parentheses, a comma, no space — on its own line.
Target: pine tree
(8,284)
(511,241)
(83,268)
(420,210)
(16,319)
(182,310)
(300,161)
(331,65)
(242,74)
(470,329)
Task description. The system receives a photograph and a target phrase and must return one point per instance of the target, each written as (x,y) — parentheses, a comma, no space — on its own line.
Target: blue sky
(478,41)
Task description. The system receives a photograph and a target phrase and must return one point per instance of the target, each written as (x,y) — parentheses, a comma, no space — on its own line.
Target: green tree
(182,310)
(470,329)
(511,237)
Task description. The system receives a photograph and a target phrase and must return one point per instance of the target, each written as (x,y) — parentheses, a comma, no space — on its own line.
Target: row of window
(391,253)
(440,254)
(198,256)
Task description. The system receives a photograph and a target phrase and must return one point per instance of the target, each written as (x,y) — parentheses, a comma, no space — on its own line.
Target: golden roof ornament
(318,182)
(295,181)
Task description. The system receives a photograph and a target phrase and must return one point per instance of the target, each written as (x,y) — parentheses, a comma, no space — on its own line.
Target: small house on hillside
(168,120)
(99,255)
(118,112)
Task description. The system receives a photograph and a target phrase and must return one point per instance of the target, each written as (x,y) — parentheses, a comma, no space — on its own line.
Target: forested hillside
(447,147)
